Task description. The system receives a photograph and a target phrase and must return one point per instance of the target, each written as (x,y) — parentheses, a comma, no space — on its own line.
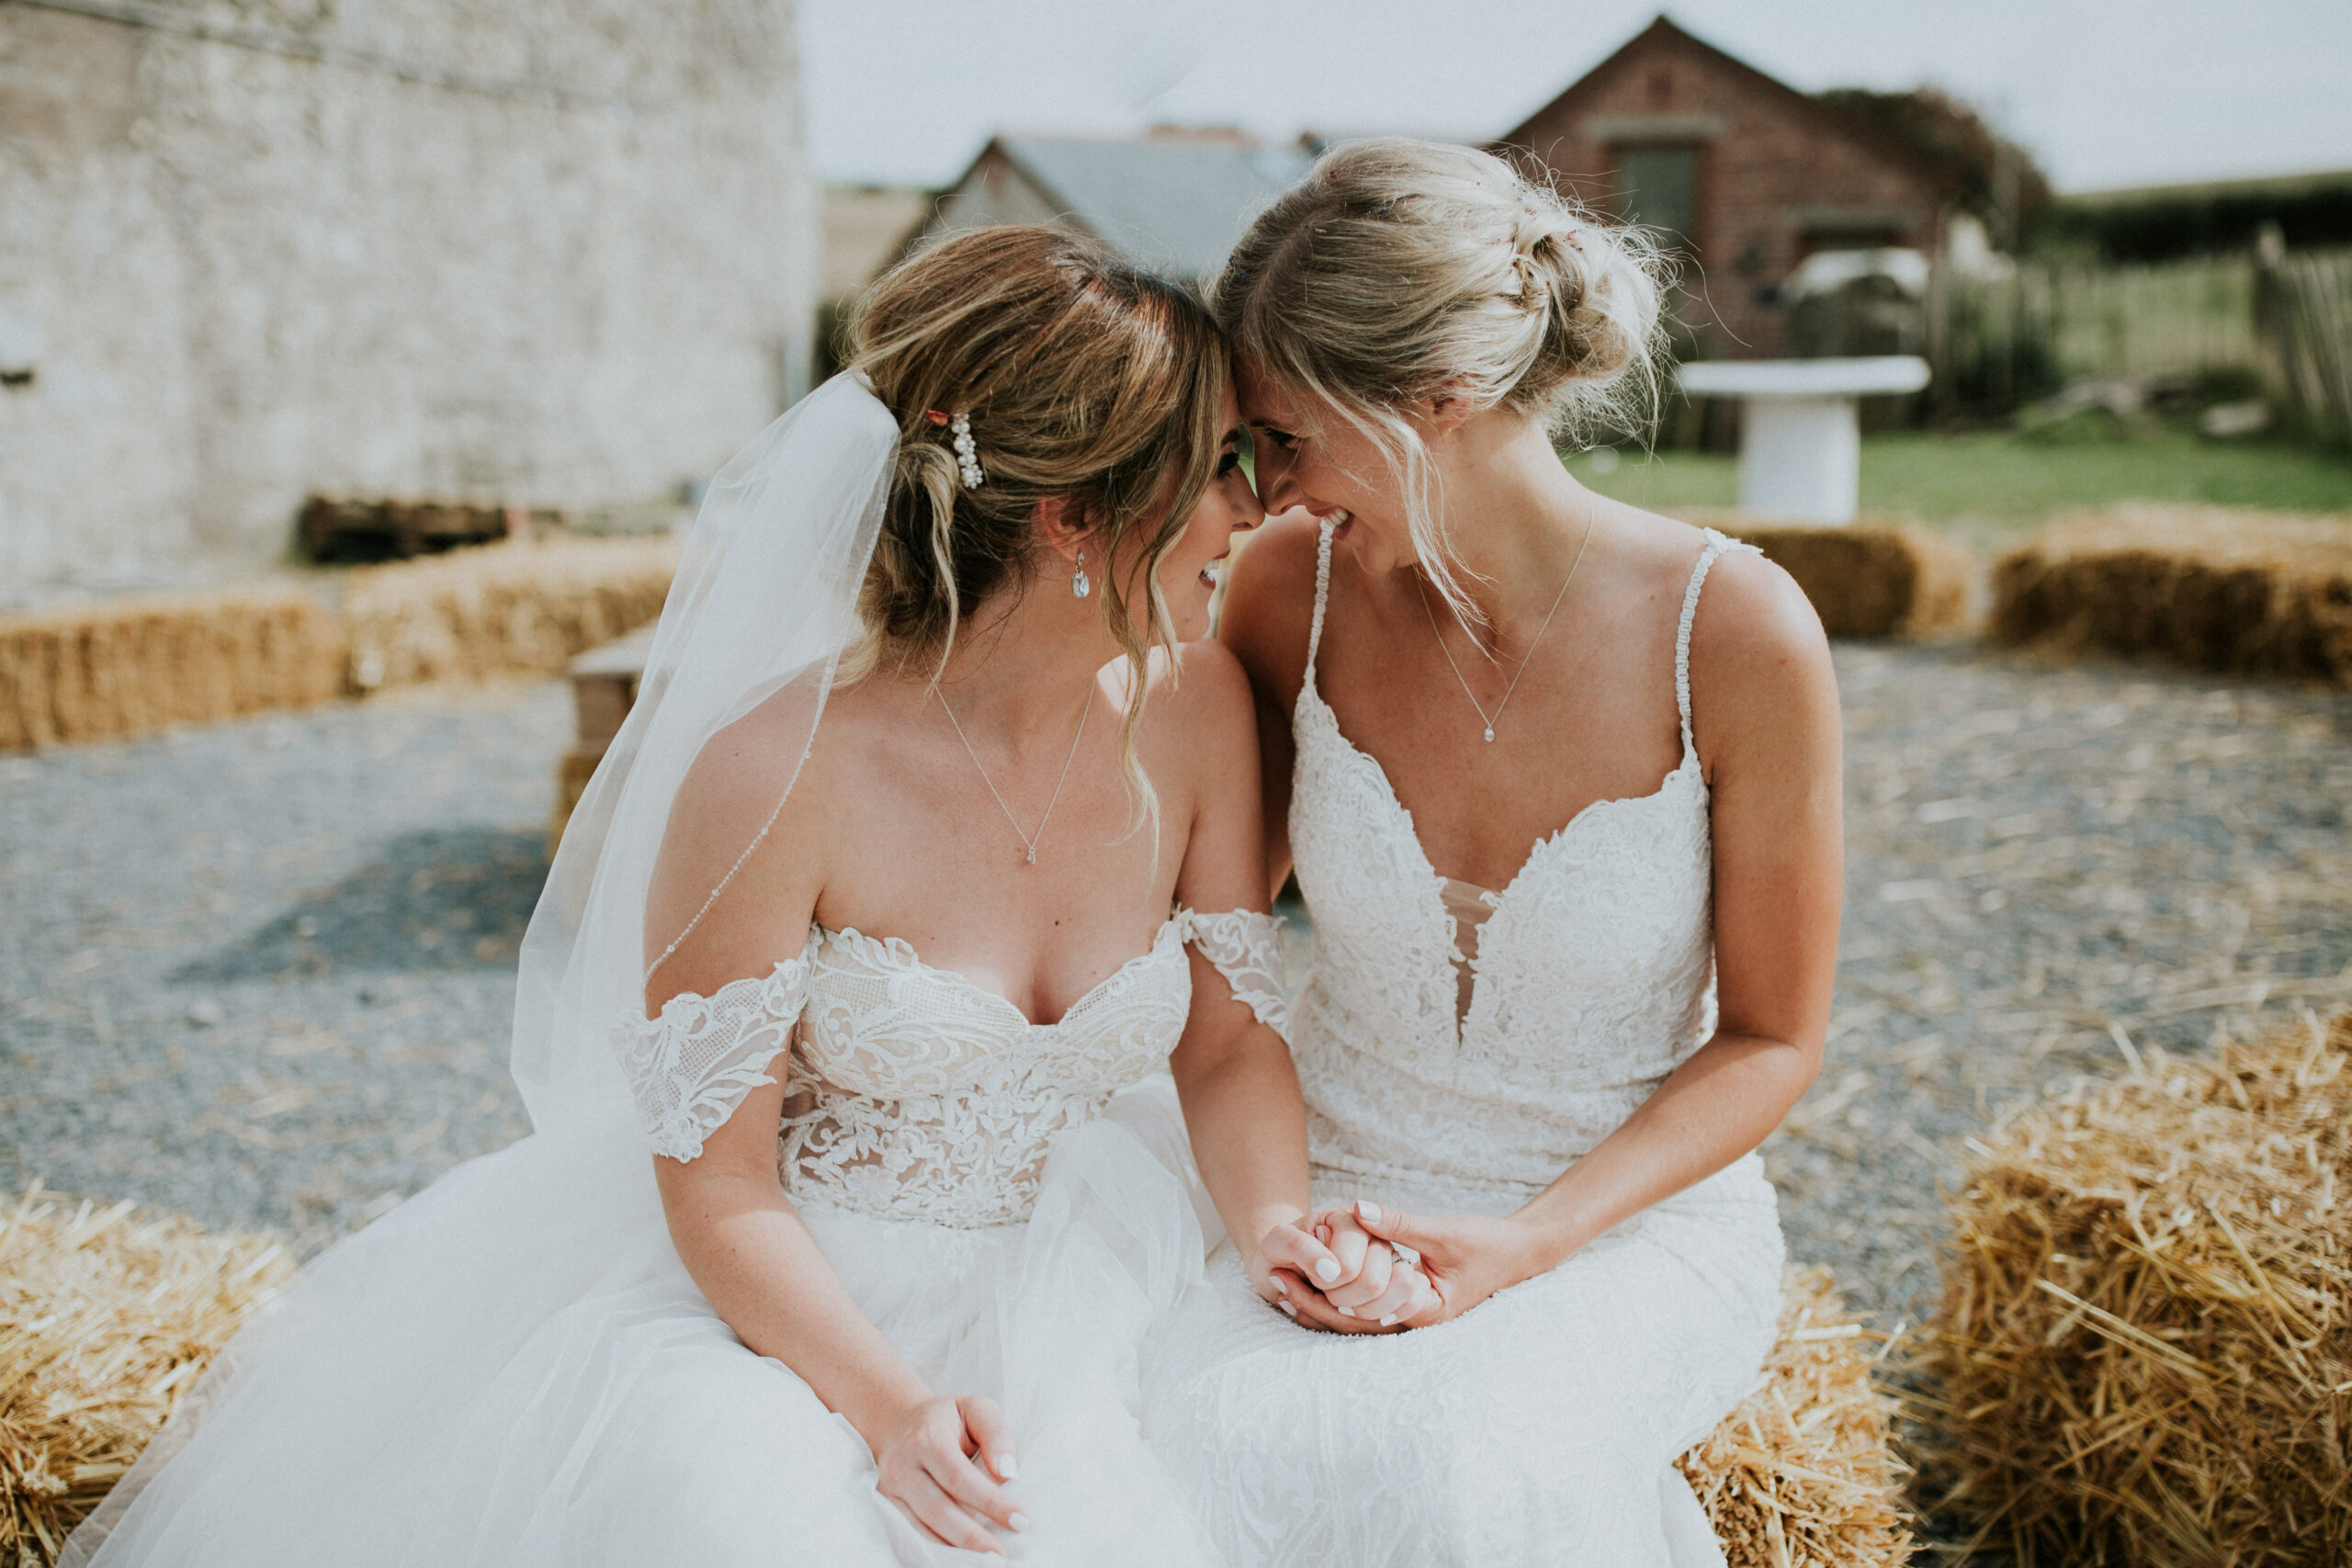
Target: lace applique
(916,1094)
(1243,945)
(692,1066)
(912,1093)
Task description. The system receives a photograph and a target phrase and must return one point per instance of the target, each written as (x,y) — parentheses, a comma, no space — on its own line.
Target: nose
(1250,512)
(1276,489)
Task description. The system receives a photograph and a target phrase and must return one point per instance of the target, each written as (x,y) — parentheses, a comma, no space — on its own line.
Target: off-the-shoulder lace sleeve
(690,1068)
(1243,946)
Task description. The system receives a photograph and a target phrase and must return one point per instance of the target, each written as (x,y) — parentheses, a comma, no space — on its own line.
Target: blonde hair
(1084,378)
(1398,272)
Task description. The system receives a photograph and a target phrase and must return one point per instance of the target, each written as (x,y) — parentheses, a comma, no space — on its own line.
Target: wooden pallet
(603,689)
(334,530)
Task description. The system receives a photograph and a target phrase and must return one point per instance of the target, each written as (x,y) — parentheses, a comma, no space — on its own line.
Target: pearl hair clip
(968,457)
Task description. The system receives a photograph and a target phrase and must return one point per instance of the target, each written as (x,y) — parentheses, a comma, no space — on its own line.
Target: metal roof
(1171,203)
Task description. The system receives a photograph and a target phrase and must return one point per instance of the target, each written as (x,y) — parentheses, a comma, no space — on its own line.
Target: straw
(2240,591)
(1803,1472)
(108,1317)
(2144,1353)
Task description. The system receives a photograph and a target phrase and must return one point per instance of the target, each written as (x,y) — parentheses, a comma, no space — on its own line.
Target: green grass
(1990,489)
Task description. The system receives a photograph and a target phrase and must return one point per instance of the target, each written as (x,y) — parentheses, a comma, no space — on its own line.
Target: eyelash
(1227,464)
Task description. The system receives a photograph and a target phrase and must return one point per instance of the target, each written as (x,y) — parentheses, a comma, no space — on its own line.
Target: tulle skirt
(1538,1429)
(513,1368)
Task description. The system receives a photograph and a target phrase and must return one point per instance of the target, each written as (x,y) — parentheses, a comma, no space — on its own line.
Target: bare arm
(1234,1076)
(1765,709)
(737,1234)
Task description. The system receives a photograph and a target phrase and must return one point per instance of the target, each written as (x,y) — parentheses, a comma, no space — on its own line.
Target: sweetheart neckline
(1543,842)
(903,952)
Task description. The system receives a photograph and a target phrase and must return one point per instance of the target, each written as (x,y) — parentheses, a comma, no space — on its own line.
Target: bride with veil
(849,1210)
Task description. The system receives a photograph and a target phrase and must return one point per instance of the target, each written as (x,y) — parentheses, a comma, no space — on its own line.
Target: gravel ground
(262,972)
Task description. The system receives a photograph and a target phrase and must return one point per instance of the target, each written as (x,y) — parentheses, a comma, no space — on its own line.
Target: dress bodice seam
(896,953)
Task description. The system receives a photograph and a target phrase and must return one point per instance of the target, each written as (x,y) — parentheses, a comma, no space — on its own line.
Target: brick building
(1746,175)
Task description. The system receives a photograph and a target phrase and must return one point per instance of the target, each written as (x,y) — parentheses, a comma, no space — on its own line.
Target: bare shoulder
(1279,560)
(1270,602)
(1759,661)
(762,780)
(741,770)
(1209,695)
(1752,609)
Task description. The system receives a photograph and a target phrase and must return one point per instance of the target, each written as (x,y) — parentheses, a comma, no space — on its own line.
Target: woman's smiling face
(1189,574)
(1318,461)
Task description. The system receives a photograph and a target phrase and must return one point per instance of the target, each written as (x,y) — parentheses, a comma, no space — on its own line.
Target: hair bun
(1436,268)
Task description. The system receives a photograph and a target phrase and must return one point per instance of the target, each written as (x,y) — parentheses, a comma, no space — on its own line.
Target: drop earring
(1079,586)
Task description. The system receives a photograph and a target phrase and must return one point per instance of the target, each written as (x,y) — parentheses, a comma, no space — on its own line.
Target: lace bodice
(1592,979)
(911,1092)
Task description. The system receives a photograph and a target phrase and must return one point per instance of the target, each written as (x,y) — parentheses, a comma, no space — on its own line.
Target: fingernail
(1370,1212)
(1389,1321)
(1347,1312)
(1007,1467)
(1326,1271)
(1288,1310)
(1018,1522)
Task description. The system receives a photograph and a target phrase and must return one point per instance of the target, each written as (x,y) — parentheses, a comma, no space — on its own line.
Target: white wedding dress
(1541,1427)
(515,1368)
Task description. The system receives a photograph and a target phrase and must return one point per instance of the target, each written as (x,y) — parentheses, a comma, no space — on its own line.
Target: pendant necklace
(1028,842)
(1420,591)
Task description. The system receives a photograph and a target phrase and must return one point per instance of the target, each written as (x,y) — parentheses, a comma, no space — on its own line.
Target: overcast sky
(2102,91)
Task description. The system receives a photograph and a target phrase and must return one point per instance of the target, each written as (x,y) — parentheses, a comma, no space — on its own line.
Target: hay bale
(1803,1472)
(508,608)
(85,671)
(2144,1353)
(2239,590)
(1874,577)
(107,1317)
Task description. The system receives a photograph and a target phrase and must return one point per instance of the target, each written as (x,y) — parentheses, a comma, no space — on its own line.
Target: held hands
(1429,1271)
(931,1457)
(1464,1257)
(1324,1271)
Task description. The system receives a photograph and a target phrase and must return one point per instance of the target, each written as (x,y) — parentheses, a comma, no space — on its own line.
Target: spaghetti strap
(1322,593)
(1718,545)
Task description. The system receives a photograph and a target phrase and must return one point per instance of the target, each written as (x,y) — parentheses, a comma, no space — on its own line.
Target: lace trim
(1243,945)
(690,1066)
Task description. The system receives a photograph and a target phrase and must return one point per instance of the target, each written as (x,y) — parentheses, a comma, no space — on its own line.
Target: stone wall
(534,251)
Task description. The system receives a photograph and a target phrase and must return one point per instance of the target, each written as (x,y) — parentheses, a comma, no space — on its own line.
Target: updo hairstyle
(1399,271)
(1083,377)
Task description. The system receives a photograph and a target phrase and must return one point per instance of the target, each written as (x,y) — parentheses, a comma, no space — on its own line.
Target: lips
(1212,572)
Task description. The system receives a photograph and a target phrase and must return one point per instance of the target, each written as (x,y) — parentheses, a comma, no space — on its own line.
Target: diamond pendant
(1490,735)
(1033,857)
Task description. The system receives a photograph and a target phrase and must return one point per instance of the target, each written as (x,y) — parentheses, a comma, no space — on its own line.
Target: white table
(1800,427)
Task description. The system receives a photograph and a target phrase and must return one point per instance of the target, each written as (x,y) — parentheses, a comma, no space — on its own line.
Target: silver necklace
(1420,591)
(1028,842)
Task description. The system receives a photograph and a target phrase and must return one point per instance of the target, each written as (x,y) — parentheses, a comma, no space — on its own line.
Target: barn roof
(1664,33)
(1175,203)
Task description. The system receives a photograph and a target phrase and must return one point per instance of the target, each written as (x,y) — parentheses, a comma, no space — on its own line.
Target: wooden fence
(2303,312)
(1999,342)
